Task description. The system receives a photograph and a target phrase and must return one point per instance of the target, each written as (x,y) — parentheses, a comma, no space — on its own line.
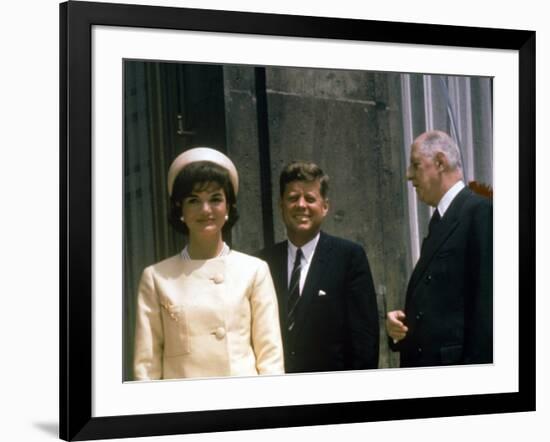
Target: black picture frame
(76,243)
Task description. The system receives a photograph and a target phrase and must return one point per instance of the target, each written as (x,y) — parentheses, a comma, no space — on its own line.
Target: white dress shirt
(308,250)
(448,198)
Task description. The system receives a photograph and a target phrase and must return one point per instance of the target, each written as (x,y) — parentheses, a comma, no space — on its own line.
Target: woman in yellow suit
(208,311)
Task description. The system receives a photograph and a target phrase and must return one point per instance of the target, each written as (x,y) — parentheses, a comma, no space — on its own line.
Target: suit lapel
(449,222)
(317,268)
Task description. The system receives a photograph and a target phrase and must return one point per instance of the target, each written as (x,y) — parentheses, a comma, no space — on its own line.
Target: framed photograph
(141,84)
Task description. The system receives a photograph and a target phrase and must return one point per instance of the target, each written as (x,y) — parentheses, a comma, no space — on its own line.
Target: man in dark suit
(448,316)
(327,302)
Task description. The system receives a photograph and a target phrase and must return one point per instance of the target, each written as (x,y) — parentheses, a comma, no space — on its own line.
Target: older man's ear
(441,162)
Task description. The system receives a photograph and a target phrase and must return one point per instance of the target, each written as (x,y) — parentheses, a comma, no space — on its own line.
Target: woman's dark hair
(197,176)
(303,171)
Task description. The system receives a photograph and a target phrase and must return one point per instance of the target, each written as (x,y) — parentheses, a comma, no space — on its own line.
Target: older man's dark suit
(337,330)
(449,304)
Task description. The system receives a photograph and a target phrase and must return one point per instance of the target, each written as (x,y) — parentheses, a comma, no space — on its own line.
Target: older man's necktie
(435,219)
(294,290)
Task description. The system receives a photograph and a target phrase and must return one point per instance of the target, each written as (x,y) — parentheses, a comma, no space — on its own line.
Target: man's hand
(395,327)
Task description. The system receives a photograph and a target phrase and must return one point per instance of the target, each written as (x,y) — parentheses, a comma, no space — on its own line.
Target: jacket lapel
(449,222)
(317,268)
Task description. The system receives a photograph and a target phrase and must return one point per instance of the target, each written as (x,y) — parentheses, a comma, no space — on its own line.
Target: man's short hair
(303,171)
(437,141)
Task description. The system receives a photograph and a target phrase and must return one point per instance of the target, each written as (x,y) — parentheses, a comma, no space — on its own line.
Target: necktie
(433,222)
(431,226)
(294,289)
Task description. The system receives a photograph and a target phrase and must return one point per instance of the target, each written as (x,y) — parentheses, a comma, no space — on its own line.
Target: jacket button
(428,279)
(419,349)
(220,332)
(218,278)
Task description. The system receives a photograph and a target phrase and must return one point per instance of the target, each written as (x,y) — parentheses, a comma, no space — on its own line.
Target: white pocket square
(321,293)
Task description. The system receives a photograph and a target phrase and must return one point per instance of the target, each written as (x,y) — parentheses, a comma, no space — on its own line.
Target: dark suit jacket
(449,304)
(335,331)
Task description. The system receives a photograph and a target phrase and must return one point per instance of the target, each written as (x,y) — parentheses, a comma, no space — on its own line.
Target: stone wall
(349,123)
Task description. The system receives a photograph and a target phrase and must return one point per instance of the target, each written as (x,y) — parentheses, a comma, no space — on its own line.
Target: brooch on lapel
(170,308)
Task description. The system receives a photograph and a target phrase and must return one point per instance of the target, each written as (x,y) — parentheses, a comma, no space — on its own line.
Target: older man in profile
(448,314)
